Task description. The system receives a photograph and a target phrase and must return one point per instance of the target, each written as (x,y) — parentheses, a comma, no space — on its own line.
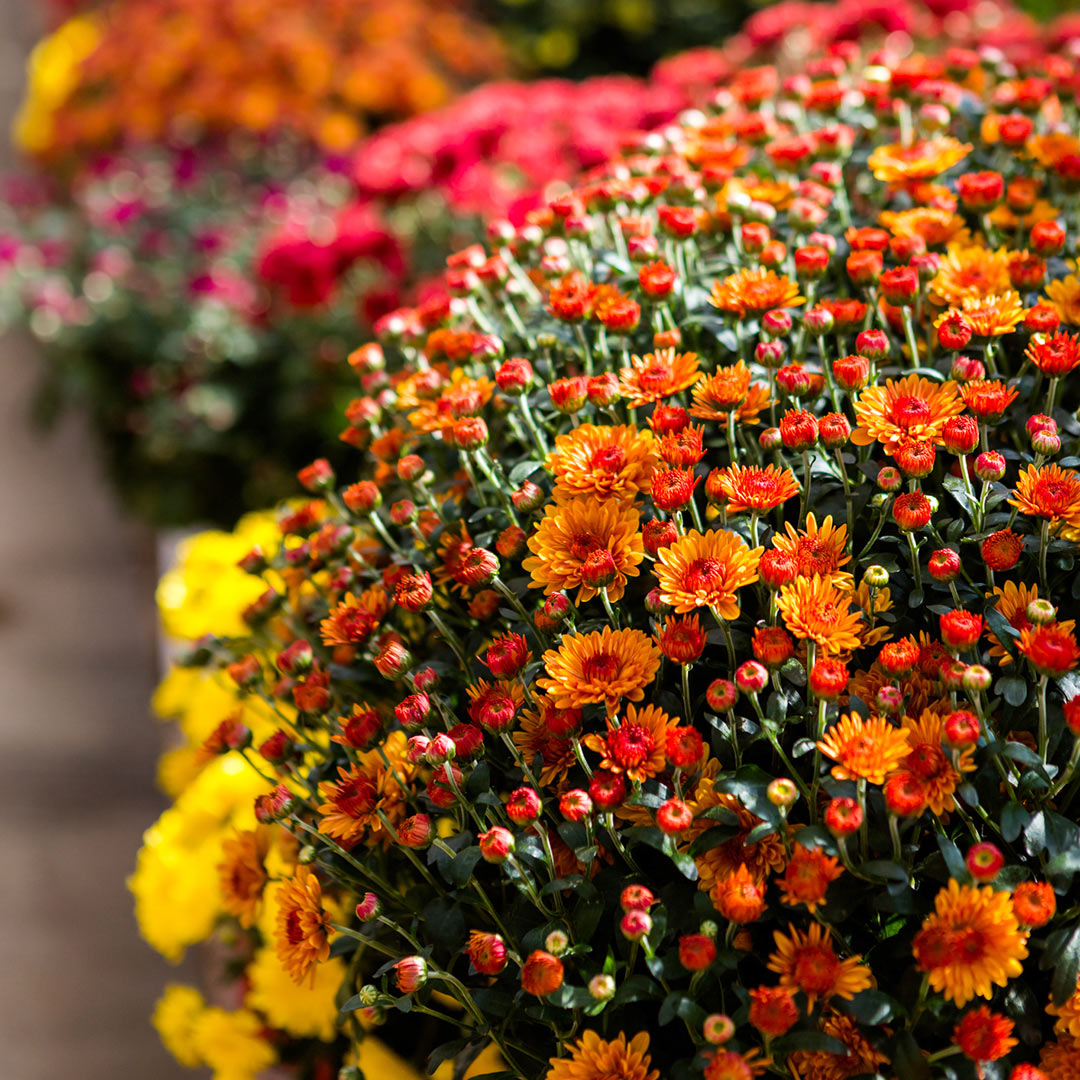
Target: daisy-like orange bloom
(1050,492)
(637,747)
(864,749)
(717,394)
(754,291)
(241,873)
(1064,295)
(1012,601)
(808,962)
(818,549)
(1055,355)
(908,408)
(355,618)
(603,462)
(706,570)
(895,163)
(757,400)
(970,271)
(739,896)
(1058,1060)
(604,666)
(753,488)
(454,547)
(861,1058)
(1068,1015)
(463,397)
(657,375)
(929,762)
(572,531)
(936,227)
(988,316)
(817,610)
(988,398)
(970,943)
(731,1065)
(593,1058)
(303,927)
(807,877)
(535,734)
(353,802)
(1048,150)
(1050,649)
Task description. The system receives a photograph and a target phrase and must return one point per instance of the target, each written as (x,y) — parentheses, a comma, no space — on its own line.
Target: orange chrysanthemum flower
(365,790)
(1050,492)
(1049,149)
(534,735)
(242,873)
(817,610)
(757,400)
(739,896)
(936,227)
(637,746)
(988,316)
(988,398)
(1067,1014)
(593,1058)
(303,927)
(603,462)
(657,375)
(1064,295)
(355,618)
(808,875)
(1051,650)
(462,397)
(808,962)
(984,1035)
(908,408)
(572,531)
(860,1059)
(731,1065)
(895,163)
(970,271)
(1059,1060)
(753,488)
(817,550)
(1012,601)
(706,570)
(970,943)
(864,749)
(754,291)
(719,393)
(1055,355)
(929,762)
(604,666)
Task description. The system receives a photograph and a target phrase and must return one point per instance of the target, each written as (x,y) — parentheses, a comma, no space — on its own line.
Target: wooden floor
(76,745)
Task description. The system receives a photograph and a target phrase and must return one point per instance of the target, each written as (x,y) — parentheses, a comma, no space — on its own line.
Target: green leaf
(809,1040)
(953,859)
(1013,690)
(685,863)
(712,838)
(445,1053)
(885,869)
(524,469)
(871,1007)
(636,988)
(460,870)
(1067,968)
(685,1008)
(1014,819)
(907,1059)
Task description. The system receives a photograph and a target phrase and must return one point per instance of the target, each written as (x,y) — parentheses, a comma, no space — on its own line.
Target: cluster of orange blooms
(686,683)
(174,69)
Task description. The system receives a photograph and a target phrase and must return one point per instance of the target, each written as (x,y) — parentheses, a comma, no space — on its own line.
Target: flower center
(583,544)
(655,377)
(908,411)
(631,745)
(600,668)
(609,459)
(816,969)
(355,797)
(927,761)
(704,574)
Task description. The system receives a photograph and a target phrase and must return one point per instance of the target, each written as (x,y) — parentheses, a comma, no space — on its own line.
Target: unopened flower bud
(557,942)
(602,987)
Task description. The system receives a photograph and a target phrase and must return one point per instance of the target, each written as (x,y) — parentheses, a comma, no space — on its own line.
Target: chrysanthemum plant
(684,680)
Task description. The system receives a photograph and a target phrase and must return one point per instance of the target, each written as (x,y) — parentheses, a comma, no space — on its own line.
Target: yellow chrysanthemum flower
(232,1044)
(175,1015)
(307,1011)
